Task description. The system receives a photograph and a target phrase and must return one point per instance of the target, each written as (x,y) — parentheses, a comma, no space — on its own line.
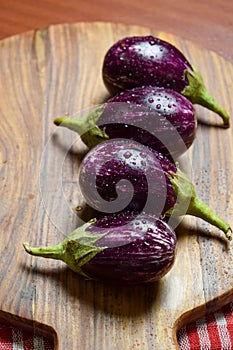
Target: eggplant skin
(145,186)
(140,249)
(144,60)
(159,118)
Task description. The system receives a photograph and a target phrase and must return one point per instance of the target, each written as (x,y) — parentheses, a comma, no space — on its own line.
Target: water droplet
(158,106)
(150,100)
(127,154)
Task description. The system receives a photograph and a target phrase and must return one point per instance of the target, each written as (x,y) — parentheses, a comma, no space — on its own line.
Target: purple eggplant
(117,248)
(160,118)
(147,60)
(120,175)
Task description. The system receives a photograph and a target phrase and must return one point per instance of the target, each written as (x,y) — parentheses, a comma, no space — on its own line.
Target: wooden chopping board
(45,74)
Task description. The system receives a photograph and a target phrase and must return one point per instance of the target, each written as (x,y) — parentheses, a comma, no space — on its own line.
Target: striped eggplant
(147,60)
(117,248)
(160,118)
(120,175)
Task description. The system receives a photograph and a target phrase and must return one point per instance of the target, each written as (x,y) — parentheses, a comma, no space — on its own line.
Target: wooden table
(209,25)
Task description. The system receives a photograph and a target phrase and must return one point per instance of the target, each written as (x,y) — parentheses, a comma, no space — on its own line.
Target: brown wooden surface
(45,74)
(206,23)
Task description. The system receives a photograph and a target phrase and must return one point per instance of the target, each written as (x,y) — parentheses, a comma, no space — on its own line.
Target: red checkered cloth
(12,338)
(213,332)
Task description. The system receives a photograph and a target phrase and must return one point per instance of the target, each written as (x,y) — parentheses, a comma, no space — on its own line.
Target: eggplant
(117,248)
(147,60)
(121,175)
(160,118)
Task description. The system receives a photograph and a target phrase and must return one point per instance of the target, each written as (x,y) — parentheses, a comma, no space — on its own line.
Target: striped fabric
(12,338)
(213,332)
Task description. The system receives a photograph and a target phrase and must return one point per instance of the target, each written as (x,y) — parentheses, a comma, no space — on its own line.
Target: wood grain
(57,70)
(209,25)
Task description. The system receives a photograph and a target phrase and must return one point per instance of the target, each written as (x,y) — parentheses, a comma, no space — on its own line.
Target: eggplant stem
(54,252)
(197,93)
(76,250)
(86,126)
(206,100)
(200,209)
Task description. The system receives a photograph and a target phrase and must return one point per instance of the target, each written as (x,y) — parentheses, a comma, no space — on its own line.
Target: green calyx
(86,127)
(94,136)
(197,93)
(189,203)
(76,250)
(184,191)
